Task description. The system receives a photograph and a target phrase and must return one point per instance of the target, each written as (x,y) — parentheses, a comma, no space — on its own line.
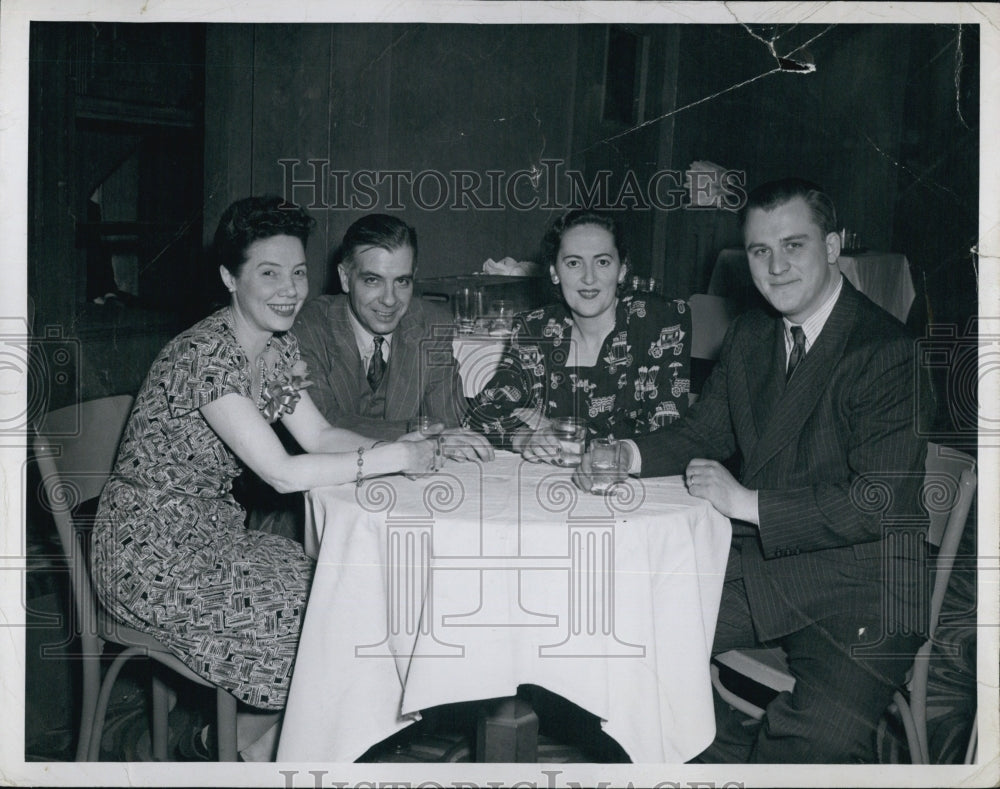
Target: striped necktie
(798,350)
(376,367)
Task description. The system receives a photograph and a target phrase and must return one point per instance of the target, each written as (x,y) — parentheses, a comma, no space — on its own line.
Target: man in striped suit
(815,405)
(378,359)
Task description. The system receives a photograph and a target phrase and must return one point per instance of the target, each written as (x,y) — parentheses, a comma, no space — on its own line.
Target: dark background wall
(887,121)
(409,98)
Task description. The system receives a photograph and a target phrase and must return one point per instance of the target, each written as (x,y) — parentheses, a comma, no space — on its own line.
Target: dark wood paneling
(839,126)
(52,284)
(408,98)
(358,121)
(291,98)
(229,80)
(479,98)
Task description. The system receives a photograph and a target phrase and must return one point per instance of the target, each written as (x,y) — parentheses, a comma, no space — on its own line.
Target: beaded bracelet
(361,465)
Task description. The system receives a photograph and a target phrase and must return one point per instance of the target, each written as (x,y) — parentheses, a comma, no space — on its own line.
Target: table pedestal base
(509,733)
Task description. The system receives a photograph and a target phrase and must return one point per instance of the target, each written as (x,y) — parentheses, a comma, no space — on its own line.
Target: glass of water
(468,308)
(606,464)
(571,433)
(421,424)
(502,311)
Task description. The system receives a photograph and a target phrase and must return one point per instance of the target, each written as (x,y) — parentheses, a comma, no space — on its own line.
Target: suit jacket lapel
(403,372)
(792,408)
(766,352)
(349,376)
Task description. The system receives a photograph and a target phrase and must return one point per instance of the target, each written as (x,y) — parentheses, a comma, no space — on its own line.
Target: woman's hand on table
(539,446)
(421,454)
(710,480)
(460,444)
(456,443)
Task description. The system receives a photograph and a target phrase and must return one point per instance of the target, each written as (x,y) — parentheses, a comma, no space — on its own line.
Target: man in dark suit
(815,405)
(378,358)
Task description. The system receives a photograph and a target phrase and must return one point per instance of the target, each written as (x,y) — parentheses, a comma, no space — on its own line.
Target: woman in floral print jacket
(619,362)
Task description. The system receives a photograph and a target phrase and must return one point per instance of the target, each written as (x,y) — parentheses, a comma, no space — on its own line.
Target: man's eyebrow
(796,237)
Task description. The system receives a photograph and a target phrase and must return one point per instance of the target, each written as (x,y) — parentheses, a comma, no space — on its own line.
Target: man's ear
(832,247)
(345,280)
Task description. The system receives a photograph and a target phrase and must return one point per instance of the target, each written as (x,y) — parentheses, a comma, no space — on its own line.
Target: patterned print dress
(171,554)
(640,382)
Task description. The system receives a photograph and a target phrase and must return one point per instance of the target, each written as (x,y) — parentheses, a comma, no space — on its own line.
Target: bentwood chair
(75,449)
(950,478)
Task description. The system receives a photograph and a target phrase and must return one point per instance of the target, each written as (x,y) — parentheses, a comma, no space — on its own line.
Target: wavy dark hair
(253,218)
(375,230)
(582,216)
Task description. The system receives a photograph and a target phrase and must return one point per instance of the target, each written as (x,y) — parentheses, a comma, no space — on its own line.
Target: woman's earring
(555,280)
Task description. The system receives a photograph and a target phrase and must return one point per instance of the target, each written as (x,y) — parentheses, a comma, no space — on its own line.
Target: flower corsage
(283,393)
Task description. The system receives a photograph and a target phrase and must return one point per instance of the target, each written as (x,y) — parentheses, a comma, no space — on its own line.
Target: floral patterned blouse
(640,382)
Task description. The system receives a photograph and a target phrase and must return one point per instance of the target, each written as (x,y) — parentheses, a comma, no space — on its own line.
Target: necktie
(798,350)
(376,367)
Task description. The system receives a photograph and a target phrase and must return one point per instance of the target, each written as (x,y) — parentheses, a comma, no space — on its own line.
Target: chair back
(947,492)
(949,486)
(710,319)
(75,449)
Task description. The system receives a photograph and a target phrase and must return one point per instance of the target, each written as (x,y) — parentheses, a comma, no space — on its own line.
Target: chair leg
(160,730)
(918,699)
(101,710)
(971,751)
(225,716)
(913,741)
(91,689)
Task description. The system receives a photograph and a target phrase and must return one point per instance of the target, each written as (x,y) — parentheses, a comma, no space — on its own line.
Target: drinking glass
(606,464)
(571,433)
(422,425)
(468,307)
(503,317)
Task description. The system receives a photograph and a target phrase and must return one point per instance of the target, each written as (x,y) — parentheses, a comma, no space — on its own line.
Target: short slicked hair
(774,193)
(375,230)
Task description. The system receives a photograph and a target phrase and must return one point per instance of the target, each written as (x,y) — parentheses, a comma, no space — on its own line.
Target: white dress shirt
(366,342)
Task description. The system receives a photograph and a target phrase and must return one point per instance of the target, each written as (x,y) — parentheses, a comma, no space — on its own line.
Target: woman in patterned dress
(621,362)
(171,554)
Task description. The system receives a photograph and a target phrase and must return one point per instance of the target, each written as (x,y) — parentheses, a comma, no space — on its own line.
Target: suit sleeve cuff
(635,467)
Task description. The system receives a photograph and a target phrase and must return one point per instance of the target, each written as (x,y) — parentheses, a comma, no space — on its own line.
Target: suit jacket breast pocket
(868,550)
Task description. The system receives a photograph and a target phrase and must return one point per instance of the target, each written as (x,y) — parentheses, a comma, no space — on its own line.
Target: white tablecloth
(477,356)
(884,277)
(610,603)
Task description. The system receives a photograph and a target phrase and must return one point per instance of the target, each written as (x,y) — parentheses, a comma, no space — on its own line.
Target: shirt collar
(365,339)
(813,325)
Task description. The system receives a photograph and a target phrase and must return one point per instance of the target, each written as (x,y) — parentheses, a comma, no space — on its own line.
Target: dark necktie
(376,367)
(798,350)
